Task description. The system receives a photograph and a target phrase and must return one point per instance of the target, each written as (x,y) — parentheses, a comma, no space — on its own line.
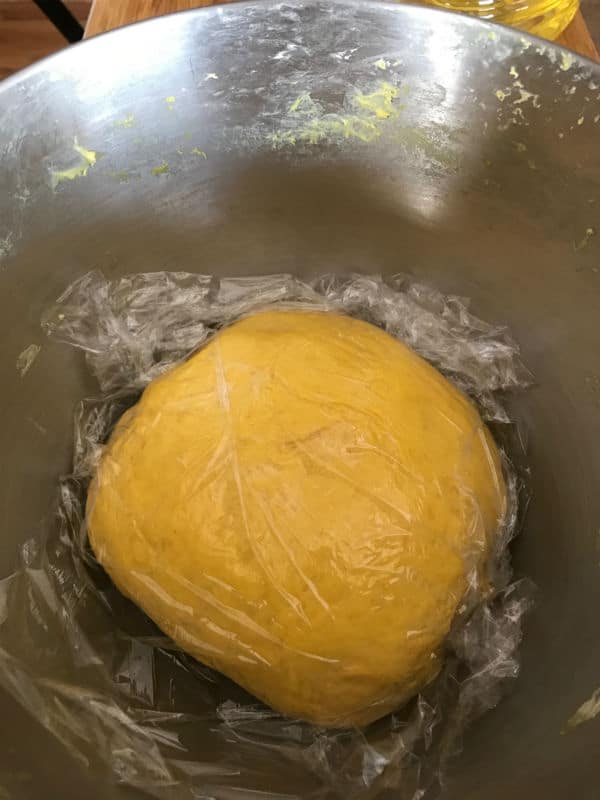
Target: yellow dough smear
(300,506)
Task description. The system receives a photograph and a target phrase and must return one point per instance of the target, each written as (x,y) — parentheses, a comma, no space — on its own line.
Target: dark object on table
(60,16)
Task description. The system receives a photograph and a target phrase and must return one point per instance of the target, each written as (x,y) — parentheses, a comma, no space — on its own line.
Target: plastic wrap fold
(122,696)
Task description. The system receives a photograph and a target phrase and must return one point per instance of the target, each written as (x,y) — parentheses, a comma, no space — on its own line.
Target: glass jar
(547,18)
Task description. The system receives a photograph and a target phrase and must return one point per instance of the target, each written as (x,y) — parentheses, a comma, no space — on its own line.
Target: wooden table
(107,14)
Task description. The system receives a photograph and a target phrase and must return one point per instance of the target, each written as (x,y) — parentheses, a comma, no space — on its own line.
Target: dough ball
(300,506)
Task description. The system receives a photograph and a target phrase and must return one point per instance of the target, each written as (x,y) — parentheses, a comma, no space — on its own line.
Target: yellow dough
(301,505)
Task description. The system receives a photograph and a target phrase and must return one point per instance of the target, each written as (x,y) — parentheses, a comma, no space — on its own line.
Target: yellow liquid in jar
(547,18)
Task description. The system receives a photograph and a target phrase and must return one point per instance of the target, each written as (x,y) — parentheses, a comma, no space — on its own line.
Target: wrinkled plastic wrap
(121,695)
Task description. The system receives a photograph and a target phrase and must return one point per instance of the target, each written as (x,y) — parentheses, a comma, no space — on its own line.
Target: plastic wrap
(121,695)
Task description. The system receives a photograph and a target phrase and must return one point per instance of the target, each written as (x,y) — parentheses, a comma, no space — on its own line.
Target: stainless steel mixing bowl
(226,141)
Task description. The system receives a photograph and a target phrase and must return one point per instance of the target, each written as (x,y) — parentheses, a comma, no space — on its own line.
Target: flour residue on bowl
(126,122)
(586,711)
(26,358)
(516,93)
(87,159)
(378,111)
(582,243)
(566,61)
(6,244)
(161,169)
(362,119)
